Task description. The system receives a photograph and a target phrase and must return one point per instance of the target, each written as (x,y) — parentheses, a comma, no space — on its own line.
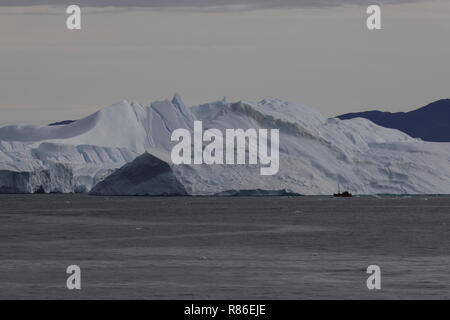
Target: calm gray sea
(224,248)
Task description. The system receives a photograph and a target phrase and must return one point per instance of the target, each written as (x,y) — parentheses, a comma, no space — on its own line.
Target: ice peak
(176,100)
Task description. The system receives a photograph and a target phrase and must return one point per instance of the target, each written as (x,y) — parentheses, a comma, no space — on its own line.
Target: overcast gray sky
(311,52)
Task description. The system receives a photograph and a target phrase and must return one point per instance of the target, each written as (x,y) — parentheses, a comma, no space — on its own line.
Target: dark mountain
(430,123)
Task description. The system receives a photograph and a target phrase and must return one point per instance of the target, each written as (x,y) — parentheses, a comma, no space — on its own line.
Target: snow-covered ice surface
(315,153)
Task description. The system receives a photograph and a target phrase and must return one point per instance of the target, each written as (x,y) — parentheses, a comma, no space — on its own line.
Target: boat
(345,194)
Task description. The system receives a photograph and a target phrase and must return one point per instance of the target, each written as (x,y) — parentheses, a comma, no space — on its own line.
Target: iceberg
(125,149)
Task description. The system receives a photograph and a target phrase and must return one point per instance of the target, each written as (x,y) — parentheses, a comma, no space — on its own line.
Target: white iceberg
(316,153)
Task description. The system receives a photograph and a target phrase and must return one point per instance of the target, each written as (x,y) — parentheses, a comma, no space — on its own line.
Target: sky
(314,52)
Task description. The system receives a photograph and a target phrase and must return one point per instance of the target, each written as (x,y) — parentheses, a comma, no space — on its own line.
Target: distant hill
(430,123)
